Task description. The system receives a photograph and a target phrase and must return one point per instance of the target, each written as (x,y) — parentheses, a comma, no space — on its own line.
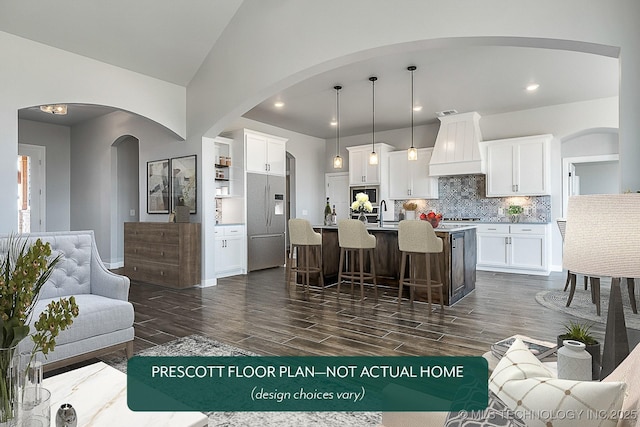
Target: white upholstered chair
(603,240)
(354,240)
(301,235)
(416,239)
(571,278)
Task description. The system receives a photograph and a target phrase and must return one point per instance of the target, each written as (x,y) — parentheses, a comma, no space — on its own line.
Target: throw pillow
(526,387)
(496,414)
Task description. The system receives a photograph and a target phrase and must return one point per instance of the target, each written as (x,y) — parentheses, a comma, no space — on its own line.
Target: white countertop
(393,227)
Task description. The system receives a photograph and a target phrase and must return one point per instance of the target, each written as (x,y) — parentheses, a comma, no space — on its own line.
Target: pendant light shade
(412,153)
(373,157)
(337,160)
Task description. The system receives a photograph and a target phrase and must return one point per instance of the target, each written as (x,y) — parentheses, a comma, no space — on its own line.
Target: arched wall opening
(125,199)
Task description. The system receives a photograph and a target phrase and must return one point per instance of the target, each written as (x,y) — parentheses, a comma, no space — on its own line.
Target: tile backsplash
(464,196)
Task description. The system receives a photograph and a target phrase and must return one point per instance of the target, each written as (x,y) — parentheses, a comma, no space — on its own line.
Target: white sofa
(628,372)
(105,320)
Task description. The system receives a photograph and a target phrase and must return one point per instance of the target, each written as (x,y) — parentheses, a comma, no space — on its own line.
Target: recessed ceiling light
(533,87)
(278,104)
(417,108)
(334,123)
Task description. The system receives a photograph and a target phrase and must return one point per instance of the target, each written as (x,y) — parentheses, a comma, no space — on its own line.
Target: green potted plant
(514,212)
(24,269)
(582,332)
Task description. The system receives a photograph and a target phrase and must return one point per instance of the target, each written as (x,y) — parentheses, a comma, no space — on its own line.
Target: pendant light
(373,157)
(337,160)
(412,153)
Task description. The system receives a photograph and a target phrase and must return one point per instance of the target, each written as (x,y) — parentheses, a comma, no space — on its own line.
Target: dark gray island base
(458,260)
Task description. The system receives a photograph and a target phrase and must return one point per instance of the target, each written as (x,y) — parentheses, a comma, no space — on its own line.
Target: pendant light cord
(338,120)
(373,113)
(412,69)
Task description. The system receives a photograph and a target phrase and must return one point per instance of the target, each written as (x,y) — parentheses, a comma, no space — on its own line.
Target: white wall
(93,181)
(599,177)
(56,139)
(77,80)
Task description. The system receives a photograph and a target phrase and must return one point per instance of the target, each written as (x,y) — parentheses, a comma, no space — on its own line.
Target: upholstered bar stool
(301,235)
(417,239)
(354,240)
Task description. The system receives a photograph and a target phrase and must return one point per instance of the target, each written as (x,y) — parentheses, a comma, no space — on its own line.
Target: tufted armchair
(105,321)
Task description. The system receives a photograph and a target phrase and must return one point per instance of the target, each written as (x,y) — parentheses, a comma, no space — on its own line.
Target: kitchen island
(458,260)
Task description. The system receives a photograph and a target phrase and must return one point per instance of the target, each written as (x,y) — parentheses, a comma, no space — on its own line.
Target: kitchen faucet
(382,204)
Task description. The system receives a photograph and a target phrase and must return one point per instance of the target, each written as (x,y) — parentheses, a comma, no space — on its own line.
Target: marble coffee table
(98,393)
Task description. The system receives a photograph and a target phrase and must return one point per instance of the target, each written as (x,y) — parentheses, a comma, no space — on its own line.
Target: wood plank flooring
(257,312)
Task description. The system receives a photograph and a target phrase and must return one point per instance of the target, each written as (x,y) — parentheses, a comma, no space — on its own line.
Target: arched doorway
(125,201)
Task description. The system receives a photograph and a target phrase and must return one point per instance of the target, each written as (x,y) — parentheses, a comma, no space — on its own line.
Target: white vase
(410,215)
(574,363)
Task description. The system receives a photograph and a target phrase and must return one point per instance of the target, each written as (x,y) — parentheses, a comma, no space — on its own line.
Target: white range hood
(457,148)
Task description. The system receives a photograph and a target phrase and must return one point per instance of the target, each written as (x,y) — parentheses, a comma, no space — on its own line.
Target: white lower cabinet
(517,248)
(229,250)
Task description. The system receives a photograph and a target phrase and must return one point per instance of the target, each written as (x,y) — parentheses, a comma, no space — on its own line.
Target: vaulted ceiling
(169,40)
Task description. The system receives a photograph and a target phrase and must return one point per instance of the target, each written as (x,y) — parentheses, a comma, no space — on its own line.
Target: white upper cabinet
(360,171)
(265,153)
(518,166)
(410,179)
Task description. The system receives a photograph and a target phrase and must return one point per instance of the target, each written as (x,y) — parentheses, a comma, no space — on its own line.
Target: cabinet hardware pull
(135,268)
(494,229)
(526,229)
(162,273)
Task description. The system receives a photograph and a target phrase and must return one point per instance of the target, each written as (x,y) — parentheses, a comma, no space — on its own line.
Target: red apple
(431,215)
(423,216)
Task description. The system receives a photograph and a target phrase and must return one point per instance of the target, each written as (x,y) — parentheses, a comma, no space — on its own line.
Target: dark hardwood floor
(257,312)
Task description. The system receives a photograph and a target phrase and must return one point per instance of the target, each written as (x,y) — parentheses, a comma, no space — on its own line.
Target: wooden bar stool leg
(440,280)
(373,271)
(352,256)
(403,264)
(287,274)
(631,285)
(340,267)
(361,260)
(411,278)
(320,266)
(307,263)
(428,262)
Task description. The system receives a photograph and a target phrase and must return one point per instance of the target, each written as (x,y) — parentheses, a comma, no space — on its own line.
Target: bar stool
(353,240)
(417,238)
(301,235)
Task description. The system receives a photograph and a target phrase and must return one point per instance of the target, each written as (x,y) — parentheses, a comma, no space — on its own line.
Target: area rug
(197,345)
(582,307)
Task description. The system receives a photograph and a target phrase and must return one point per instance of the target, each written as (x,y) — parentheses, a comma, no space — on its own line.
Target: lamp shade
(602,236)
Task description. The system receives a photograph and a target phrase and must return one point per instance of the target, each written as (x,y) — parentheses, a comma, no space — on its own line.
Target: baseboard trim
(113,265)
(208,283)
(515,271)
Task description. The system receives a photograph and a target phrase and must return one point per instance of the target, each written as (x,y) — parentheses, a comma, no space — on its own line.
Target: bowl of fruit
(432,217)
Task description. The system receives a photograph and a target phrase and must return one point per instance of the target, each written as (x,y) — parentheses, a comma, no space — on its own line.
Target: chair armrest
(104,282)
(109,285)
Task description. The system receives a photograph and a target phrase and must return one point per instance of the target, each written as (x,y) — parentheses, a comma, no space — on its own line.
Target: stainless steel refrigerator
(265,221)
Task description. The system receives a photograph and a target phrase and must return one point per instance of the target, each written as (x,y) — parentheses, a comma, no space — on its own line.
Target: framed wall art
(158,187)
(184,187)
